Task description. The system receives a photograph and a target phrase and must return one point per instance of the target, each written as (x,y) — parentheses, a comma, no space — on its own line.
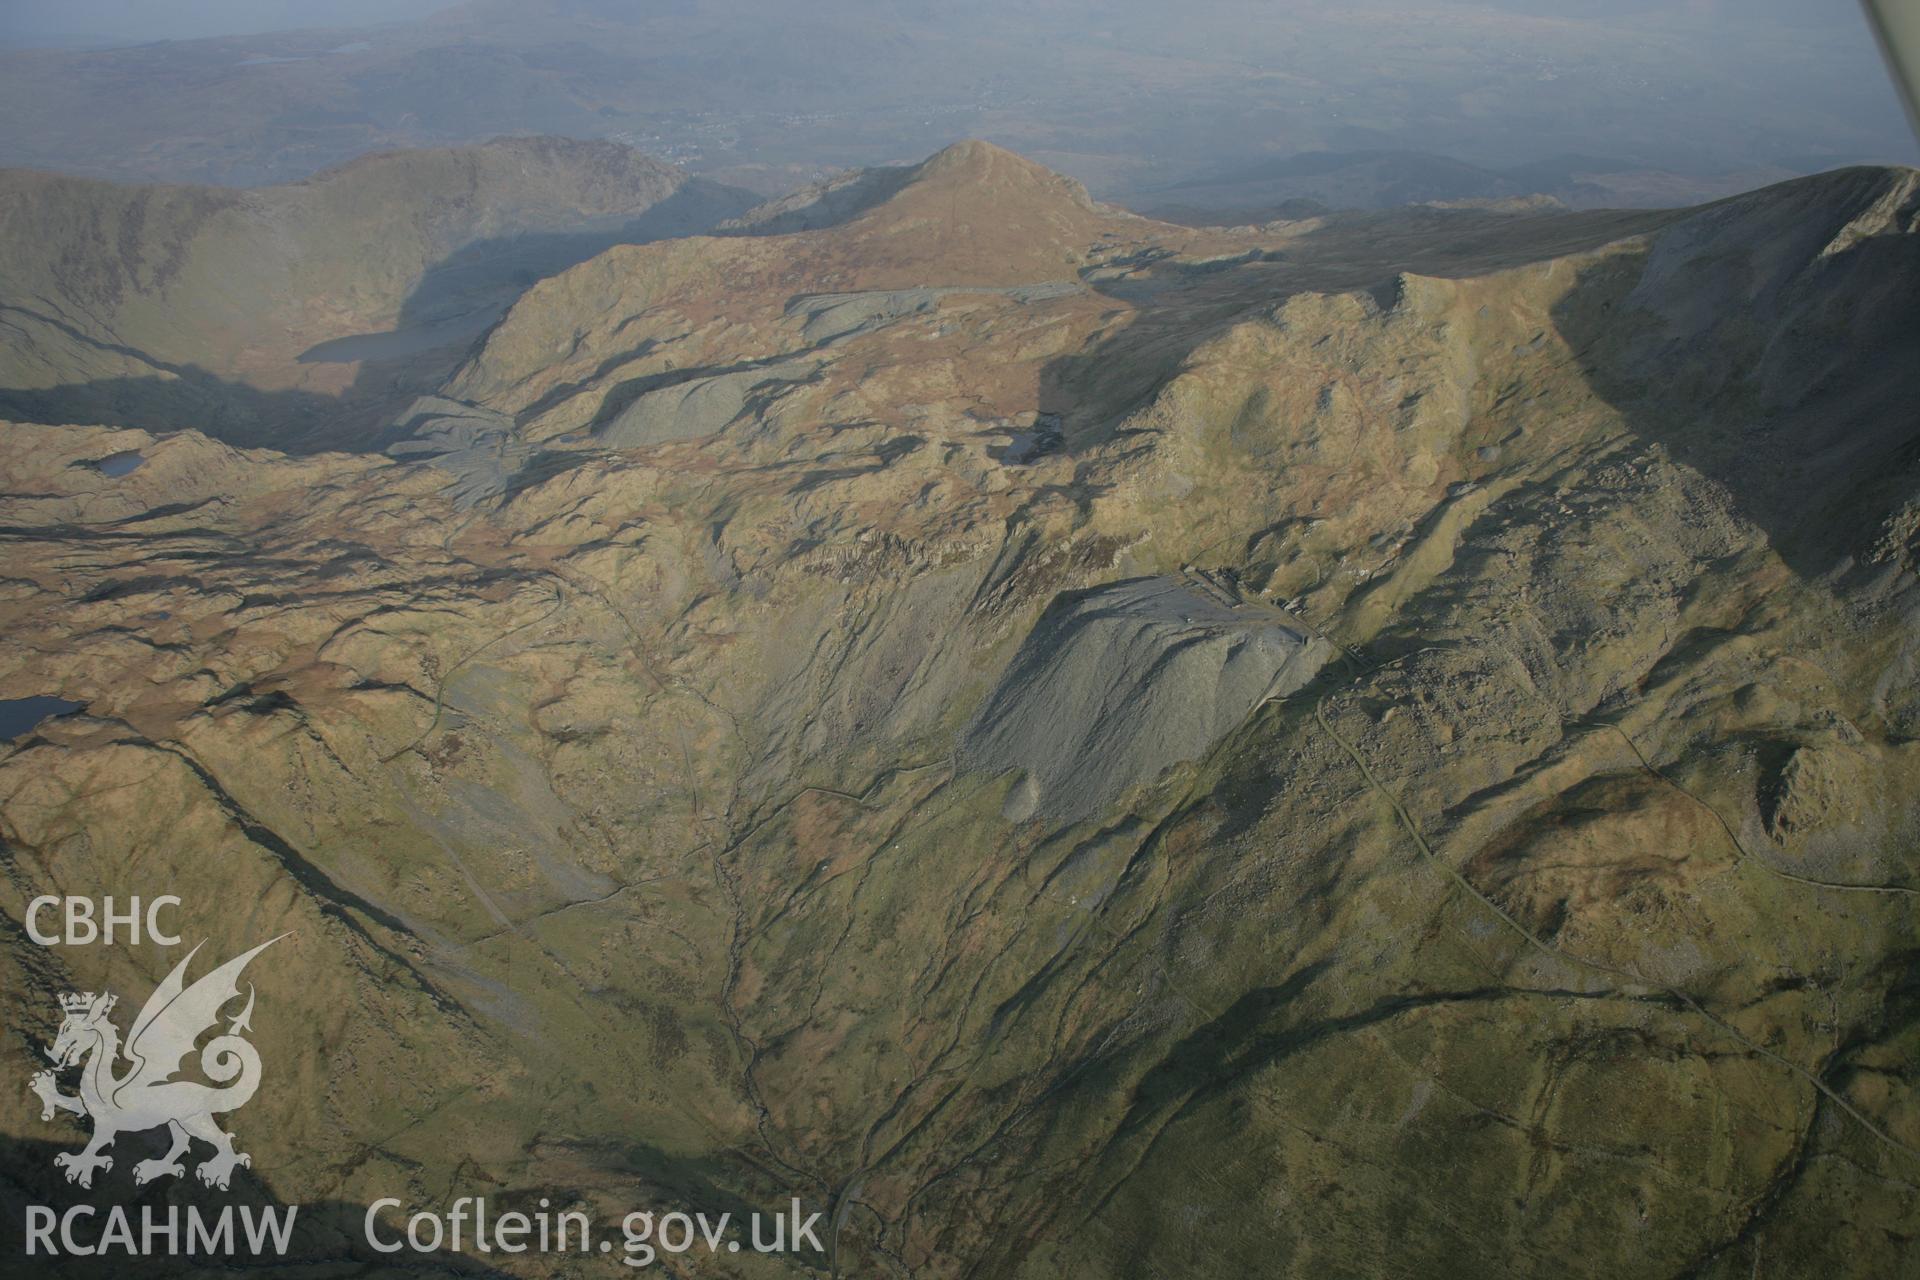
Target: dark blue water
(19,715)
(121,464)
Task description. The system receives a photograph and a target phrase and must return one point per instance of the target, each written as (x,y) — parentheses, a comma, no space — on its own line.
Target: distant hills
(1126,95)
(1313,183)
(306,310)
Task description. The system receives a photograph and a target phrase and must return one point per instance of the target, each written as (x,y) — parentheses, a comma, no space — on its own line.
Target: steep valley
(1383,744)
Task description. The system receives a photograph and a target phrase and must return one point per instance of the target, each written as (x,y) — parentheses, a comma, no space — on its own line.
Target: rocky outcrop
(1262,752)
(1117,684)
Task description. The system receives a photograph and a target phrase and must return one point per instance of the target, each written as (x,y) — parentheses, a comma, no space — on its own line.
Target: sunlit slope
(1494,630)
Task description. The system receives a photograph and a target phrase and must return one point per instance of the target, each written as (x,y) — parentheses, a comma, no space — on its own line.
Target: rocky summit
(1384,744)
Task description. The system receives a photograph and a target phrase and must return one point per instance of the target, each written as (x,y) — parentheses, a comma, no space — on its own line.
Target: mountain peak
(972,212)
(985,166)
(989,216)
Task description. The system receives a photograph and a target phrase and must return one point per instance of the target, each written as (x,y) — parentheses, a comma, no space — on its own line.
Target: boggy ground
(1562,923)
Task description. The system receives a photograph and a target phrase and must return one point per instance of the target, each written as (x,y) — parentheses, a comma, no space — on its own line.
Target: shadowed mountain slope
(249,314)
(1075,746)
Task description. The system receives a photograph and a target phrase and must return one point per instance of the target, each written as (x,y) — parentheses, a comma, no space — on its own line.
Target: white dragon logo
(147,1096)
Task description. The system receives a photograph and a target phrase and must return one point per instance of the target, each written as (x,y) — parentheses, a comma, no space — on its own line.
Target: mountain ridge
(1404,721)
(206,301)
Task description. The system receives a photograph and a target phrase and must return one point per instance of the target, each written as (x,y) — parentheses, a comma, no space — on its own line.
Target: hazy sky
(143,20)
(130,20)
(1121,93)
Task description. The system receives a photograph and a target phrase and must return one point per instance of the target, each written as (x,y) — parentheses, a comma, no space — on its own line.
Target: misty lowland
(1030,640)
